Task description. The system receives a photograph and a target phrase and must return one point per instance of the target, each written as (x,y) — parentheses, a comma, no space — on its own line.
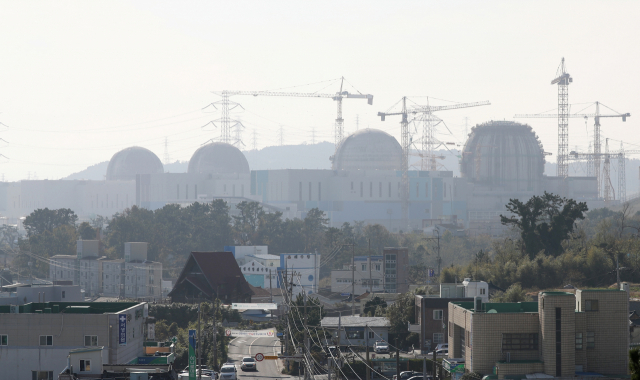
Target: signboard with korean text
(192,354)
(255,333)
(122,329)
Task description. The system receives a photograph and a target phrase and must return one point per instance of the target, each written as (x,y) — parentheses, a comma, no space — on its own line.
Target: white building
(467,289)
(43,293)
(131,277)
(368,273)
(35,339)
(240,252)
(260,275)
(269,261)
(305,268)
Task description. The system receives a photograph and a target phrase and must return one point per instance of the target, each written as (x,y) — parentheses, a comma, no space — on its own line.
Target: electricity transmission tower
(255,140)
(429,123)
(226,105)
(281,135)
(313,136)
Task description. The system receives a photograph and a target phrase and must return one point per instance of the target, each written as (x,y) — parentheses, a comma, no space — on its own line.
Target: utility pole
(306,334)
(215,331)
(438,240)
(353,283)
(270,287)
(366,337)
(370,280)
(618,271)
(397,360)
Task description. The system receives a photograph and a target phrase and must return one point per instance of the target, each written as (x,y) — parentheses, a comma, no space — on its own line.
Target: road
(250,346)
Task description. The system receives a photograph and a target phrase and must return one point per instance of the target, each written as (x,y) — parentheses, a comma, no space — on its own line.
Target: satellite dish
(492,311)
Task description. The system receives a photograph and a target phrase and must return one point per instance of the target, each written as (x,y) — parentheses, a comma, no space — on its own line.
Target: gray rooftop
(355,321)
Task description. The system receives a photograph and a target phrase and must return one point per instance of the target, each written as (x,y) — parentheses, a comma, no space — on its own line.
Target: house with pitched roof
(211,275)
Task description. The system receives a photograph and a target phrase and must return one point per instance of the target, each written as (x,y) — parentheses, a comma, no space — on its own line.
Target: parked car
(381,347)
(228,372)
(248,364)
(440,353)
(405,375)
(442,346)
(420,377)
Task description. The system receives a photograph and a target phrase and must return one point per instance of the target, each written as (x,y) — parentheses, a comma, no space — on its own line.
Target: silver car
(248,364)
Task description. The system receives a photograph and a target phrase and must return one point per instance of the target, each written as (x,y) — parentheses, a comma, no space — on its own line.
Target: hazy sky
(81,80)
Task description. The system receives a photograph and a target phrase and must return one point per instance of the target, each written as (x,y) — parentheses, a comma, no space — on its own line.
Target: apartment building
(432,311)
(35,339)
(367,275)
(386,273)
(561,335)
(134,276)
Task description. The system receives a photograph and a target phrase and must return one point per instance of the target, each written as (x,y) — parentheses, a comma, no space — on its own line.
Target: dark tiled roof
(220,272)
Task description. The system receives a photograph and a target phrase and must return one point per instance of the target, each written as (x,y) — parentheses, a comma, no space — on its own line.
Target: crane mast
(563,81)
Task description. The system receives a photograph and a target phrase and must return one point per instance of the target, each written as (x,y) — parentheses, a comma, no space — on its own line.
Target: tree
(371,306)
(544,221)
(313,228)
(86,232)
(514,293)
(246,224)
(634,363)
(42,220)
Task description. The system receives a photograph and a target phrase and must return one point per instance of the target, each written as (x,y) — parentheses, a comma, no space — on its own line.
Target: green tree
(86,232)
(634,363)
(514,293)
(544,221)
(42,220)
(245,225)
(313,227)
(371,306)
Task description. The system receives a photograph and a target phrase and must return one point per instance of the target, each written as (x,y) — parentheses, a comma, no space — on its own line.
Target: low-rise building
(357,331)
(561,335)
(35,339)
(41,293)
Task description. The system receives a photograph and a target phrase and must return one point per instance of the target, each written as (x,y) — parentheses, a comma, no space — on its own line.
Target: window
(364,266)
(90,340)
(371,335)
(351,185)
(438,338)
(380,189)
(370,189)
(361,187)
(437,314)
(46,340)
(354,332)
(378,267)
(85,365)
(483,291)
(4,340)
(578,341)
(515,342)
(591,339)
(591,305)
(41,375)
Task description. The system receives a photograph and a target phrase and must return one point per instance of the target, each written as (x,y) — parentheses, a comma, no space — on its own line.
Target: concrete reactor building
(500,160)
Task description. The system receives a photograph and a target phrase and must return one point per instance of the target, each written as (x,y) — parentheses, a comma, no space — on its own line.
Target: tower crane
(563,80)
(428,118)
(597,147)
(226,105)
(405,143)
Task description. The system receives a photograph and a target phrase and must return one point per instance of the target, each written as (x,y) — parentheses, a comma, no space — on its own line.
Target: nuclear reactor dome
(128,162)
(369,149)
(218,158)
(503,154)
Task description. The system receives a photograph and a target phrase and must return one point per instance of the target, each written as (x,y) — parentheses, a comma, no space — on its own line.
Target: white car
(248,364)
(381,347)
(442,346)
(228,372)
(440,353)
